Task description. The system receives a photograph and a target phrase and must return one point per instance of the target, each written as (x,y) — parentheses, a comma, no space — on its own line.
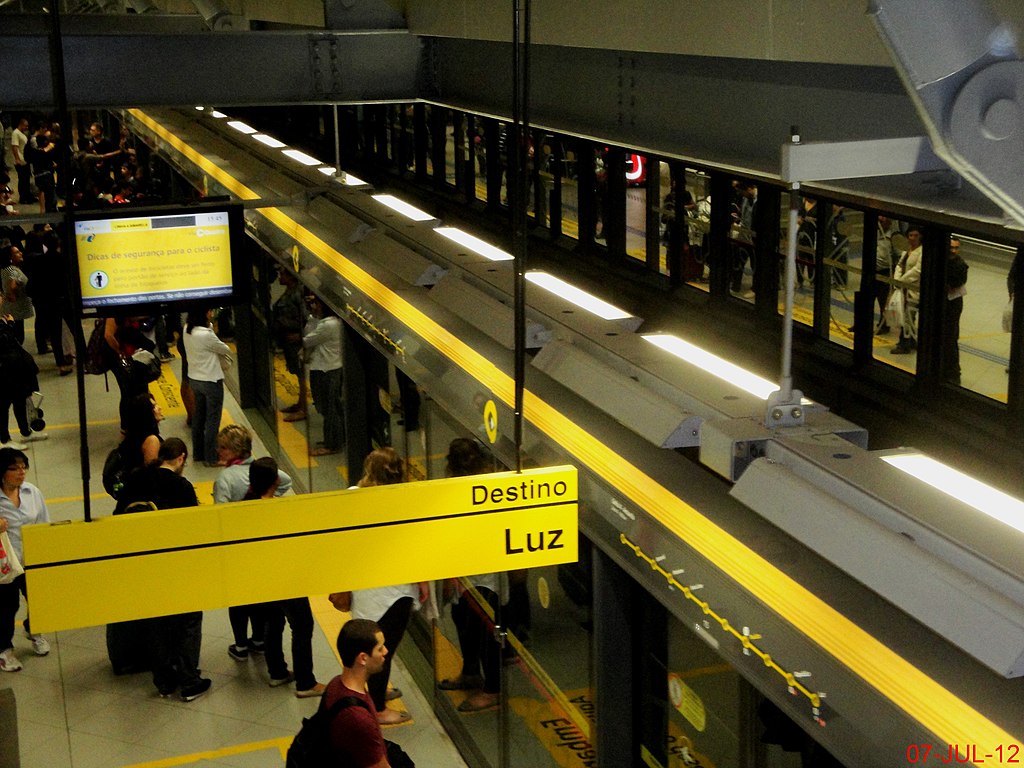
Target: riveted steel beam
(120,70)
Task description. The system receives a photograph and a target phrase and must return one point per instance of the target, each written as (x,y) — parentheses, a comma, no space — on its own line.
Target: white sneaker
(9,662)
(35,437)
(40,644)
(14,444)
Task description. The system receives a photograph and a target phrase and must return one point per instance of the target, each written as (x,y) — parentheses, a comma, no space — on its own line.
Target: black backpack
(114,472)
(310,747)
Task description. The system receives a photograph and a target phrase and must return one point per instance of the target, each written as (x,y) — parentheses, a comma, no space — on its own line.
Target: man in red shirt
(355,735)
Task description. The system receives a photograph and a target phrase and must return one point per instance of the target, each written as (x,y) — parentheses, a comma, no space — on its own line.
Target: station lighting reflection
(241,127)
(302,157)
(713,364)
(474,244)
(577,296)
(270,141)
(402,207)
(962,487)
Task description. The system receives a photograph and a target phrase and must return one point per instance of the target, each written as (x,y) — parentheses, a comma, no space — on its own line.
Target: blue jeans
(206,421)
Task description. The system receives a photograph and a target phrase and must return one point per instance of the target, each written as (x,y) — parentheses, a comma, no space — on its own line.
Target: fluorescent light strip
(953,482)
(351,181)
(238,125)
(328,170)
(302,157)
(402,207)
(200,109)
(270,141)
(474,244)
(580,298)
(217,114)
(713,364)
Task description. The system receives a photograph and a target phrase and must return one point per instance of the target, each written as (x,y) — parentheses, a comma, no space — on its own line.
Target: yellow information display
(201,558)
(146,259)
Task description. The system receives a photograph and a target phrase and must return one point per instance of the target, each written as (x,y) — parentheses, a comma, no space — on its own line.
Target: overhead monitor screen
(154,258)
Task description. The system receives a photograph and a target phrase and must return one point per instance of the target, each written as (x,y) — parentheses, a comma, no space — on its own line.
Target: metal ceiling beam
(121,70)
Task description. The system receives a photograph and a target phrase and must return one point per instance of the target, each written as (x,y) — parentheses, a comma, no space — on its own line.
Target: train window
(704,723)
(843,230)
(571,188)
(975,347)
(547,164)
(742,256)
(451,145)
(806,243)
(637,223)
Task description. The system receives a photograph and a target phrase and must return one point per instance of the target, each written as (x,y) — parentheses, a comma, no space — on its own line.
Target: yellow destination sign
(166,562)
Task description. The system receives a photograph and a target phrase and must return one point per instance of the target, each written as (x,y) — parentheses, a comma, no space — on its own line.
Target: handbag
(894,309)
(10,565)
(1008,317)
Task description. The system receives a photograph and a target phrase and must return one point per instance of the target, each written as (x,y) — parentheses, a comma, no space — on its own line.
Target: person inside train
(956,289)
(908,279)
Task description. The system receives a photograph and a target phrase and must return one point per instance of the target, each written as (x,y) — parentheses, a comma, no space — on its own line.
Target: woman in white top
(322,342)
(21,503)
(390,607)
(208,356)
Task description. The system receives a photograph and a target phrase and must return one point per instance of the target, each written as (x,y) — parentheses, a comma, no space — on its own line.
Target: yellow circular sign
(543,592)
(295,258)
(491,421)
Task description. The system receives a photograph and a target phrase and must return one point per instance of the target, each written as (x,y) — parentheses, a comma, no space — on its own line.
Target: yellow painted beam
(202,558)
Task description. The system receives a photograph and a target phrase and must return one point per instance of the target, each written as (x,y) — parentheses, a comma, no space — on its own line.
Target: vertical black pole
(67,225)
(517,198)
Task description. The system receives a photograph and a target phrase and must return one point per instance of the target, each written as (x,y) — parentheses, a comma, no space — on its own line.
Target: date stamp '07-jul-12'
(965,754)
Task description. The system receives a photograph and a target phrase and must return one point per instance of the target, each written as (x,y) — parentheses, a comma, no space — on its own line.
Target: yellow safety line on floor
(281,745)
(935,707)
(76,425)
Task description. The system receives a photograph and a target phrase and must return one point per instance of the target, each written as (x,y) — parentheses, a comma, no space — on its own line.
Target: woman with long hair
(391,607)
(208,357)
(141,442)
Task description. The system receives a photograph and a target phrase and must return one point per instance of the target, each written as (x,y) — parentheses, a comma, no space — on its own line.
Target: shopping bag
(894,309)
(10,565)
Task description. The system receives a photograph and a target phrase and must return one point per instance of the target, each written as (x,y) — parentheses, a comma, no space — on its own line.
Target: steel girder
(122,70)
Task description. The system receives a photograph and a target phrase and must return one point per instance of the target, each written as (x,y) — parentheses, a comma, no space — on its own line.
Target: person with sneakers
(21,503)
(234,450)
(175,640)
(263,482)
(18,380)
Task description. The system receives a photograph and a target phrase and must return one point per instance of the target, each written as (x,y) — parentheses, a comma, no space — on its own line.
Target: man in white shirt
(19,140)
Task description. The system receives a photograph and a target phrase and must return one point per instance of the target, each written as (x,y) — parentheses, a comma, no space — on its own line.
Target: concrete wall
(836,31)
